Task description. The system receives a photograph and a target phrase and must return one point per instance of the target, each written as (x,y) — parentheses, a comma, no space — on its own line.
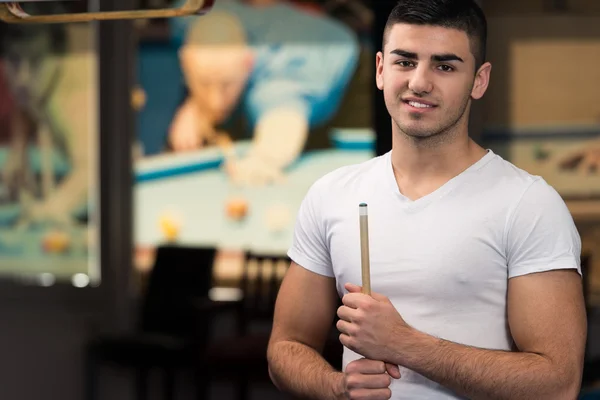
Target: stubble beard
(439,135)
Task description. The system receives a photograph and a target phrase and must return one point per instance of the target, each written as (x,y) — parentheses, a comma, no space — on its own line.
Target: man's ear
(482,81)
(379,70)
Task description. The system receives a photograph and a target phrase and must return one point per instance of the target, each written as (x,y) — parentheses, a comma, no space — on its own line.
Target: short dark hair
(464,15)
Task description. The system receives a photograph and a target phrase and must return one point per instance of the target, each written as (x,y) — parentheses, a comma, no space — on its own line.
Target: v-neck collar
(415,205)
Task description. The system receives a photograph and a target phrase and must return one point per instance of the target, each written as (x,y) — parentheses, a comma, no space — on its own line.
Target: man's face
(216,77)
(427,74)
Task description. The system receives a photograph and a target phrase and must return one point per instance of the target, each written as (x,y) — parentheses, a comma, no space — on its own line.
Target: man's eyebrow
(436,57)
(446,57)
(405,54)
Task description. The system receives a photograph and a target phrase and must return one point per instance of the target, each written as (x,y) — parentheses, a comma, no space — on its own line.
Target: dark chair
(260,286)
(173,323)
(262,295)
(245,354)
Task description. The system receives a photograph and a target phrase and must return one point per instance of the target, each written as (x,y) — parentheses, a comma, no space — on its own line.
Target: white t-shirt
(444,260)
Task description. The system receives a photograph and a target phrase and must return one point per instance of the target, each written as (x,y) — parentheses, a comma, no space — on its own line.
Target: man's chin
(421,131)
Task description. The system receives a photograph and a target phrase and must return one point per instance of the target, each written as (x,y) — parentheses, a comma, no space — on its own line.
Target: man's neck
(422,166)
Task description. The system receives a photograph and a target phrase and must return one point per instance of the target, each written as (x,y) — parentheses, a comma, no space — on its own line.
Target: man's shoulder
(508,178)
(514,185)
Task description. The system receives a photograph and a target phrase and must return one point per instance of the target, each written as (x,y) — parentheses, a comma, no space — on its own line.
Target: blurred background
(135,263)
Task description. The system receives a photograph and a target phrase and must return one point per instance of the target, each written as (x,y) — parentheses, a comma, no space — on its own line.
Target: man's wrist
(409,347)
(336,382)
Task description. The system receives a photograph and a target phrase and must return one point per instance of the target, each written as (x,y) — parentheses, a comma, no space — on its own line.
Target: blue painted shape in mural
(302,60)
(160,75)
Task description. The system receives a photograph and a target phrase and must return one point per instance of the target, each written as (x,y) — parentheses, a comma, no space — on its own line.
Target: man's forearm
(488,374)
(301,371)
(280,136)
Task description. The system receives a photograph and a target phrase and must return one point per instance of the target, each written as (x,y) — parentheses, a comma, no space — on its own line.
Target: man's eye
(446,68)
(405,63)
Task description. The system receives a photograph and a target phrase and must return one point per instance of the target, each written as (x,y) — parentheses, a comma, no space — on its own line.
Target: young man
(475,264)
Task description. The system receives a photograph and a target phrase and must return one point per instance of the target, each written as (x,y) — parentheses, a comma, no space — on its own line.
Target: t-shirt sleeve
(309,247)
(541,233)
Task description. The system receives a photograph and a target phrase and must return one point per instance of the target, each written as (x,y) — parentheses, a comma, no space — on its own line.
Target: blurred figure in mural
(284,67)
(47,109)
(585,160)
(216,63)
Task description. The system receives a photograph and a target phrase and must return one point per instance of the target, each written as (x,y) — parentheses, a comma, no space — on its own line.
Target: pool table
(192,188)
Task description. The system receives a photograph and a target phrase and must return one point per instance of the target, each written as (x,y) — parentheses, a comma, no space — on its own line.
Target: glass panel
(48,143)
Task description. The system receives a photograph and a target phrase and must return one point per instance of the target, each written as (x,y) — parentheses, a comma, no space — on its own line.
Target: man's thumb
(352,288)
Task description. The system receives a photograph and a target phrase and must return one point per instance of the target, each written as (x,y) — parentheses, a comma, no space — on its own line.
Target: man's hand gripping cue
(366,378)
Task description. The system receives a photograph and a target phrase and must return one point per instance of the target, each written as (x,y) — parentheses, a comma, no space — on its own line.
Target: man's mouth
(418,106)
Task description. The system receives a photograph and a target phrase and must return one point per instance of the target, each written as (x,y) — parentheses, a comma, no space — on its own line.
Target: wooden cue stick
(8,13)
(364,248)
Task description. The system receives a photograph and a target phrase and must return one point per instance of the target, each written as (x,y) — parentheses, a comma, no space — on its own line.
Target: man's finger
(352,288)
(380,297)
(344,327)
(345,313)
(372,394)
(393,370)
(366,366)
(353,300)
(368,381)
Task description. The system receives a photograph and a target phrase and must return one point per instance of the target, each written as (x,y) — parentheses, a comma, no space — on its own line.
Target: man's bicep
(546,314)
(305,308)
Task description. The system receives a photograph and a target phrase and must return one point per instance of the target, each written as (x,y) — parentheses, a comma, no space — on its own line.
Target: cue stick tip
(362,208)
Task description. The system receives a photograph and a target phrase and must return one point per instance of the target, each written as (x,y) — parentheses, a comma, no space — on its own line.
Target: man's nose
(420,81)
